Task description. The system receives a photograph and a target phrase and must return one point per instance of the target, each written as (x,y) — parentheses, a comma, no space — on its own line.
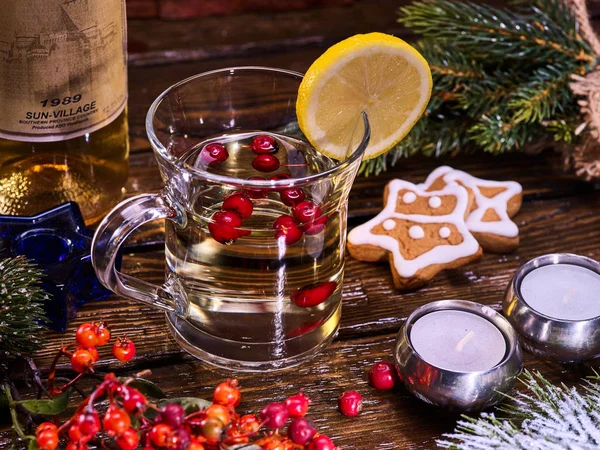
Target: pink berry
(313,294)
(292,196)
(224,227)
(316,226)
(350,403)
(300,431)
(286,227)
(256,193)
(238,203)
(172,414)
(274,415)
(321,442)
(214,153)
(265,163)
(297,405)
(306,212)
(264,144)
(382,375)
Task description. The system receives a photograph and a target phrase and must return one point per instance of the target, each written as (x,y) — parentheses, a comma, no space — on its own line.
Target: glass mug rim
(177,164)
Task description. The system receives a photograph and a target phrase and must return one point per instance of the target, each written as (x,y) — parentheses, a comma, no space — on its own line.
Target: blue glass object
(59,242)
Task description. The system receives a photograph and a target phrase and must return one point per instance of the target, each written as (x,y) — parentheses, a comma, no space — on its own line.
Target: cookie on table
(495,202)
(421,233)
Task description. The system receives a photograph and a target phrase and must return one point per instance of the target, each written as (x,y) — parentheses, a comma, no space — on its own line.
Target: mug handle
(110,235)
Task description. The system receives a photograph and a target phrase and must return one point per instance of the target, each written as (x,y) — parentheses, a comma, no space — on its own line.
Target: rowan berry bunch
(132,422)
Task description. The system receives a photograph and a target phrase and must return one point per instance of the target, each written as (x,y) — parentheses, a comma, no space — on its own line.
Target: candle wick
(464,341)
(569,295)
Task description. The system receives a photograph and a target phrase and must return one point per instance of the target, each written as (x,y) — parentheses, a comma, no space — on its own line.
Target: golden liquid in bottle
(90,170)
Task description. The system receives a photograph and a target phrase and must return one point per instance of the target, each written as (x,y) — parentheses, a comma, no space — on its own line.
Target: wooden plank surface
(560,213)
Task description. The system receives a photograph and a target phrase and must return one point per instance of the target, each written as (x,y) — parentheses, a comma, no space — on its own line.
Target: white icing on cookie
(444,232)
(416,232)
(435,202)
(389,225)
(499,203)
(440,254)
(409,197)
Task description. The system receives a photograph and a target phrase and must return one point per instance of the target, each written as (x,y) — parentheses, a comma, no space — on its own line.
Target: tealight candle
(553,302)
(458,341)
(458,354)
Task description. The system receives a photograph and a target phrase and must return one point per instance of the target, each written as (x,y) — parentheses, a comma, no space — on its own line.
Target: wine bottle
(63,115)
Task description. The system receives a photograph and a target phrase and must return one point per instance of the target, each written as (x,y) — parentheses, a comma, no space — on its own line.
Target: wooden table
(560,214)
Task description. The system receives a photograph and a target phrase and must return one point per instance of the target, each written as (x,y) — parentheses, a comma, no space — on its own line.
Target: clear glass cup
(271,296)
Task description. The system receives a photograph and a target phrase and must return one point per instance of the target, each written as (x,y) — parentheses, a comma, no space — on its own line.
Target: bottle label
(63,67)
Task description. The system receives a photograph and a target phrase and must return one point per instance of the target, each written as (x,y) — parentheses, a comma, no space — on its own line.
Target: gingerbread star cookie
(495,202)
(421,233)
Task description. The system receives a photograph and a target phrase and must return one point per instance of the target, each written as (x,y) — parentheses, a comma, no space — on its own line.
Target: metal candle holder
(566,341)
(463,391)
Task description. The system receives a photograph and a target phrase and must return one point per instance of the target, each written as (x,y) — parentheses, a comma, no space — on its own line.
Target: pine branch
(21,301)
(493,32)
(548,418)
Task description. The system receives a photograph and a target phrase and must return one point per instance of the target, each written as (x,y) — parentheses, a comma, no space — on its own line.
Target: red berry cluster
(131,420)
(307,218)
(91,335)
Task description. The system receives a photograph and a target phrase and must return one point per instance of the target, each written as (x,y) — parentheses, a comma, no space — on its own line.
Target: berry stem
(52,375)
(65,386)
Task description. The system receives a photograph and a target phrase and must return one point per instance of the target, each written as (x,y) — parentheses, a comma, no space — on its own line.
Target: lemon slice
(376,73)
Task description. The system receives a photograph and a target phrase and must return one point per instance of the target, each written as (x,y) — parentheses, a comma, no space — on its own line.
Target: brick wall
(181,9)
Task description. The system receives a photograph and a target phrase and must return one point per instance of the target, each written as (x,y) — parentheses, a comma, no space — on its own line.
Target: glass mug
(260,295)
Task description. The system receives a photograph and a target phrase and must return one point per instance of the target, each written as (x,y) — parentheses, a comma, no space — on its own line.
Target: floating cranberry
(297,405)
(240,204)
(313,294)
(321,442)
(224,227)
(274,415)
(256,193)
(287,227)
(214,153)
(350,403)
(265,163)
(300,431)
(280,176)
(382,375)
(316,226)
(292,196)
(263,144)
(306,212)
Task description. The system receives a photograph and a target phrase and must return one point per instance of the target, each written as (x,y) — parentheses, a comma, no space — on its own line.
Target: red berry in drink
(264,144)
(321,442)
(227,394)
(172,414)
(224,227)
(123,349)
(214,153)
(300,431)
(256,193)
(313,294)
(382,375)
(306,212)
(350,403)
(288,229)
(280,176)
(265,163)
(292,196)
(238,203)
(297,405)
(316,226)
(274,415)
